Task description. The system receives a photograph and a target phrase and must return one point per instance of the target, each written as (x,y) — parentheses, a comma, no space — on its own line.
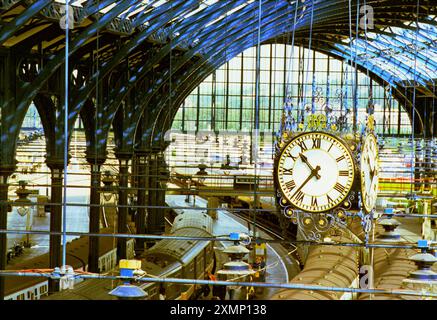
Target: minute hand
(314,173)
(305,160)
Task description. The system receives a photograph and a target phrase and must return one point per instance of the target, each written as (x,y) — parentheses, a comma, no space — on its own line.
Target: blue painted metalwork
(176,20)
(9,29)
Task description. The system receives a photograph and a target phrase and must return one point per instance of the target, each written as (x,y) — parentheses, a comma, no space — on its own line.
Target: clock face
(315,172)
(369,172)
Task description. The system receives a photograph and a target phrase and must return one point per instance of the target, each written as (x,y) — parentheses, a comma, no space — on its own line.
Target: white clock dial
(369,172)
(315,172)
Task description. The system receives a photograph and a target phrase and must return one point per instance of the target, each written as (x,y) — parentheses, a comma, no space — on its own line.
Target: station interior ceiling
(118,116)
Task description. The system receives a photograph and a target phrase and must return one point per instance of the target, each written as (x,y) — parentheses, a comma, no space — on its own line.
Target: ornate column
(94,226)
(123,158)
(418,169)
(56,168)
(5,173)
(141,170)
(156,196)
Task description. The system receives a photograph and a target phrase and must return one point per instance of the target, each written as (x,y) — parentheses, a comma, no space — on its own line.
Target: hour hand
(305,160)
(314,173)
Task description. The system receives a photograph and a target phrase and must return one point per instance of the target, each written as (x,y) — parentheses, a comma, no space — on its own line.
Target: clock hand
(305,160)
(372,169)
(313,173)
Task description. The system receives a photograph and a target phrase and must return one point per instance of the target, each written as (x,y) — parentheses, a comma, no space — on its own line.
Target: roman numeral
(343,173)
(340,158)
(314,201)
(298,196)
(330,147)
(316,143)
(339,187)
(290,184)
(288,171)
(329,199)
(288,154)
(302,145)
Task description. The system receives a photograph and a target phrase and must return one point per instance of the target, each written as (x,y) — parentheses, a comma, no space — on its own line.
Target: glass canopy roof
(401,48)
(397,54)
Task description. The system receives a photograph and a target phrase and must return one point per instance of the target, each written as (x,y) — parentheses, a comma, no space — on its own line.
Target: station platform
(77,219)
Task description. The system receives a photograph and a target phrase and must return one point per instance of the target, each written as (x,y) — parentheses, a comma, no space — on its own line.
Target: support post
(214,203)
(123,158)
(56,168)
(94,225)
(141,166)
(156,196)
(4,186)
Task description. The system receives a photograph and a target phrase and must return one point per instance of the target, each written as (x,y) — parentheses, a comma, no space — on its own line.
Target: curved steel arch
(118,95)
(187,57)
(323,13)
(195,81)
(218,48)
(205,72)
(137,75)
(9,29)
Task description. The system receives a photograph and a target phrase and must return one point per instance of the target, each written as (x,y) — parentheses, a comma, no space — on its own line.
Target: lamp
(236,268)
(201,174)
(24,204)
(128,291)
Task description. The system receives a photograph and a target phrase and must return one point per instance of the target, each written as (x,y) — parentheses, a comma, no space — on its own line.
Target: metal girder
(393,60)
(346,52)
(55,11)
(149,20)
(30,90)
(128,48)
(7,4)
(201,70)
(135,76)
(236,34)
(117,25)
(9,29)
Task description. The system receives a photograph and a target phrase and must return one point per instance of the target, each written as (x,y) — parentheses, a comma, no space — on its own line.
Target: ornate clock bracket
(314,226)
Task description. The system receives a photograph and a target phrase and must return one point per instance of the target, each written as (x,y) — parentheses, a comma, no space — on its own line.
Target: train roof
(194,220)
(92,289)
(77,257)
(190,224)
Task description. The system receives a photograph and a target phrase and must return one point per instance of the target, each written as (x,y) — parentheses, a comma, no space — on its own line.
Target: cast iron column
(163,175)
(152,195)
(155,218)
(94,226)
(4,176)
(140,164)
(56,168)
(123,159)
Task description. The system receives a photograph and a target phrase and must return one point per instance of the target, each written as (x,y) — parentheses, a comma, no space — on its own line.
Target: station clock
(315,171)
(369,172)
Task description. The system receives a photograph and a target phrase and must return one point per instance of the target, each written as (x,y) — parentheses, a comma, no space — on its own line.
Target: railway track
(273,231)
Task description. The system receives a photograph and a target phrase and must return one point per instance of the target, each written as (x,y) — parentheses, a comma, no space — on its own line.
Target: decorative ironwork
(118,25)
(28,69)
(56,11)
(7,4)
(314,226)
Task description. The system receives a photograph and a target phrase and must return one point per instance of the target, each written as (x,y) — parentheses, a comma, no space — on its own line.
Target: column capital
(95,159)
(55,163)
(123,154)
(143,152)
(159,148)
